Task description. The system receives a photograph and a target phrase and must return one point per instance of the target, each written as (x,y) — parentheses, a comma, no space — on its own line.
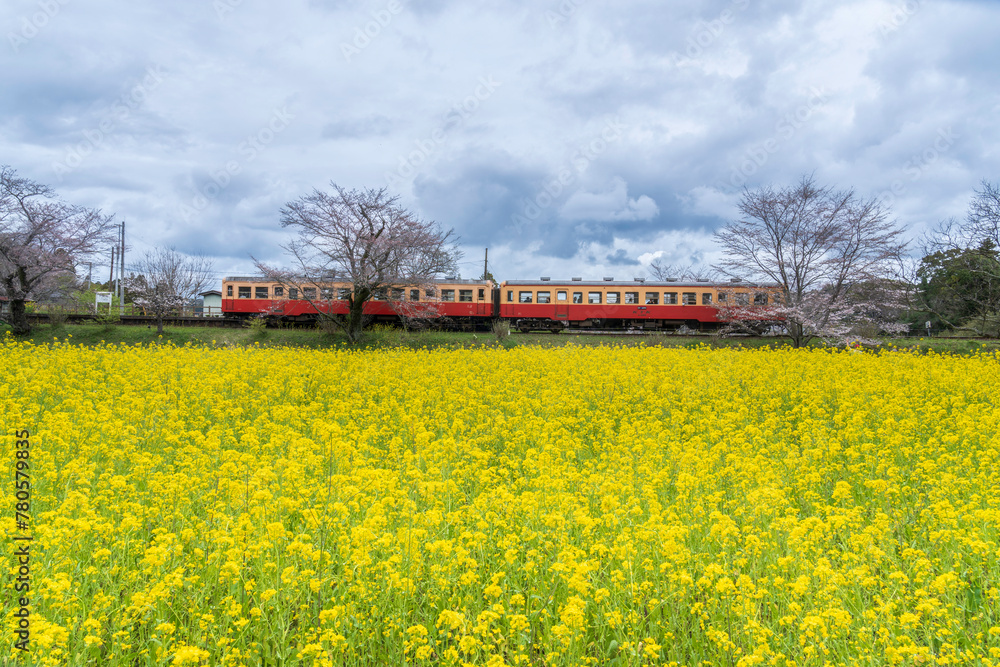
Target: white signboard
(103,297)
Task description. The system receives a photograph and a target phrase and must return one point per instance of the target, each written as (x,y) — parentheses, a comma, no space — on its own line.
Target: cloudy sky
(572,137)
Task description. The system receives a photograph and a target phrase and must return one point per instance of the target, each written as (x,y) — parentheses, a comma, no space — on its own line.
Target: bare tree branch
(168,280)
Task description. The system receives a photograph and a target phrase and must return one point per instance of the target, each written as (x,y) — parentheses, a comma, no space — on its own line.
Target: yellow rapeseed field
(564,506)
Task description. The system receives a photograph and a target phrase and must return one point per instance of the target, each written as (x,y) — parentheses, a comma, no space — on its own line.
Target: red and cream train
(529,305)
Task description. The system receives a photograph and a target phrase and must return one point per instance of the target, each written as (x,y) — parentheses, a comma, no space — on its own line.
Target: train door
(482,305)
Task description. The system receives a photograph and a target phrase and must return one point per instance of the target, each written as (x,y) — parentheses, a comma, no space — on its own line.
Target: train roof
(636,283)
(436,281)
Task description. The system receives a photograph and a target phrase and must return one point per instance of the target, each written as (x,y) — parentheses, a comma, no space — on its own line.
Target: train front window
(465,295)
(279,291)
(690,299)
(577,297)
(447,295)
(593,297)
(524,297)
(544,297)
(613,297)
(706,298)
(243,292)
(652,298)
(631,297)
(670,298)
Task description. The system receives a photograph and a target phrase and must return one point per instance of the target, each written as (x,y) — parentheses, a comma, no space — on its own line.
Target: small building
(211,304)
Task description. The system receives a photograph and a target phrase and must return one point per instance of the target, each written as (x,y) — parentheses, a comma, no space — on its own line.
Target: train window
(229,291)
(613,297)
(593,297)
(243,292)
(430,293)
(560,296)
(742,299)
(293,292)
(706,298)
(465,295)
(510,296)
(577,297)
(670,298)
(524,297)
(381,294)
(309,292)
(544,297)
(482,293)
(631,297)
(447,295)
(652,298)
(414,295)
(760,299)
(343,293)
(721,298)
(397,294)
(776,298)
(689,299)
(326,292)
(260,292)
(278,291)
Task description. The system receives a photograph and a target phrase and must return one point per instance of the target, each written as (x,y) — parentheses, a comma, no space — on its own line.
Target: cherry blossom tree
(365,238)
(42,239)
(166,280)
(831,256)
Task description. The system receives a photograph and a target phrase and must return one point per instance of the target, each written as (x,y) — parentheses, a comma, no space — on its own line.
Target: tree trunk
(159,324)
(355,320)
(19,318)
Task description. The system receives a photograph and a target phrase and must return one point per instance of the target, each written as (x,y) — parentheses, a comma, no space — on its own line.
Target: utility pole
(486,263)
(121,274)
(111,278)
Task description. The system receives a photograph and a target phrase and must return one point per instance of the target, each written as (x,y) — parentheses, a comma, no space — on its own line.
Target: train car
(448,300)
(548,305)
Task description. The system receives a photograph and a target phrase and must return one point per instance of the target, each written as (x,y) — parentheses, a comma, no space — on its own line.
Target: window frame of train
(293,293)
(760,299)
(721,298)
(594,297)
(260,292)
(447,295)
(525,296)
(577,297)
(482,293)
(706,298)
(430,293)
(415,294)
(326,293)
(561,295)
(309,292)
(670,298)
(229,291)
(614,298)
(396,294)
(742,298)
(465,296)
(544,296)
(343,293)
(279,292)
(243,292)
(689,298)
(652,298)
(510,296)
(632,298)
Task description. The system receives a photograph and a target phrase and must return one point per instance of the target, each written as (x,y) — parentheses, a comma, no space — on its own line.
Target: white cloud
(612,205)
